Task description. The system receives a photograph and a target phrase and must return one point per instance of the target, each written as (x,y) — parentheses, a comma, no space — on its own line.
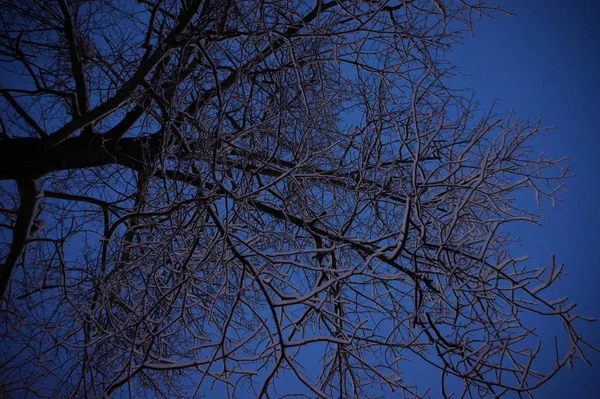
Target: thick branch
(22,112)
(125,92)
(82,103)
(27,158)
(30,192)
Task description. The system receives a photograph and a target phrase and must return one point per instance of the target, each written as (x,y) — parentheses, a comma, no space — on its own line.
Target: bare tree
(263,197)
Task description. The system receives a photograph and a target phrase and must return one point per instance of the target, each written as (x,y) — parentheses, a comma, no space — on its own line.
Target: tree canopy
(268,198)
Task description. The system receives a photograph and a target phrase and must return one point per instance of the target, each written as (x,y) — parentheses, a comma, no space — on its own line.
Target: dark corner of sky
(545,60)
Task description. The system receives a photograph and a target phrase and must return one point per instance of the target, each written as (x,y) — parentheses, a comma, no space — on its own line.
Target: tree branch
(24,114)
(30,193)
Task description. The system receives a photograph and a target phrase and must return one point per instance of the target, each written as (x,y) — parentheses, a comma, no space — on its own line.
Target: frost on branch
(263,199)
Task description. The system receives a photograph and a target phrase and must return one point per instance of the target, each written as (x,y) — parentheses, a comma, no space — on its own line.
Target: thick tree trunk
(29,193)
(31,158)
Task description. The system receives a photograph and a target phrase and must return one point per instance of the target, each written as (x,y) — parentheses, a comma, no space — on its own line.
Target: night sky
(545,60)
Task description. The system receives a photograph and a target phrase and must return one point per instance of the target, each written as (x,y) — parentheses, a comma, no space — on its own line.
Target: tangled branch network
(262,198)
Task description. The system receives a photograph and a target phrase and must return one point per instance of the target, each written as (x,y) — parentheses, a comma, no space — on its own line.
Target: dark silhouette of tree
(263,197)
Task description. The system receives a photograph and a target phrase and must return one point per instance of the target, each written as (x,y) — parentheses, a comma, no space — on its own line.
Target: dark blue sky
(546,60)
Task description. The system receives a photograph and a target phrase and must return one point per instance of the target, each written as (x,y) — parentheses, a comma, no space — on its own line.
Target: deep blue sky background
(546,60)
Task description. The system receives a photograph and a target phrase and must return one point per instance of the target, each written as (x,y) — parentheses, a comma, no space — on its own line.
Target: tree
(268,197)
